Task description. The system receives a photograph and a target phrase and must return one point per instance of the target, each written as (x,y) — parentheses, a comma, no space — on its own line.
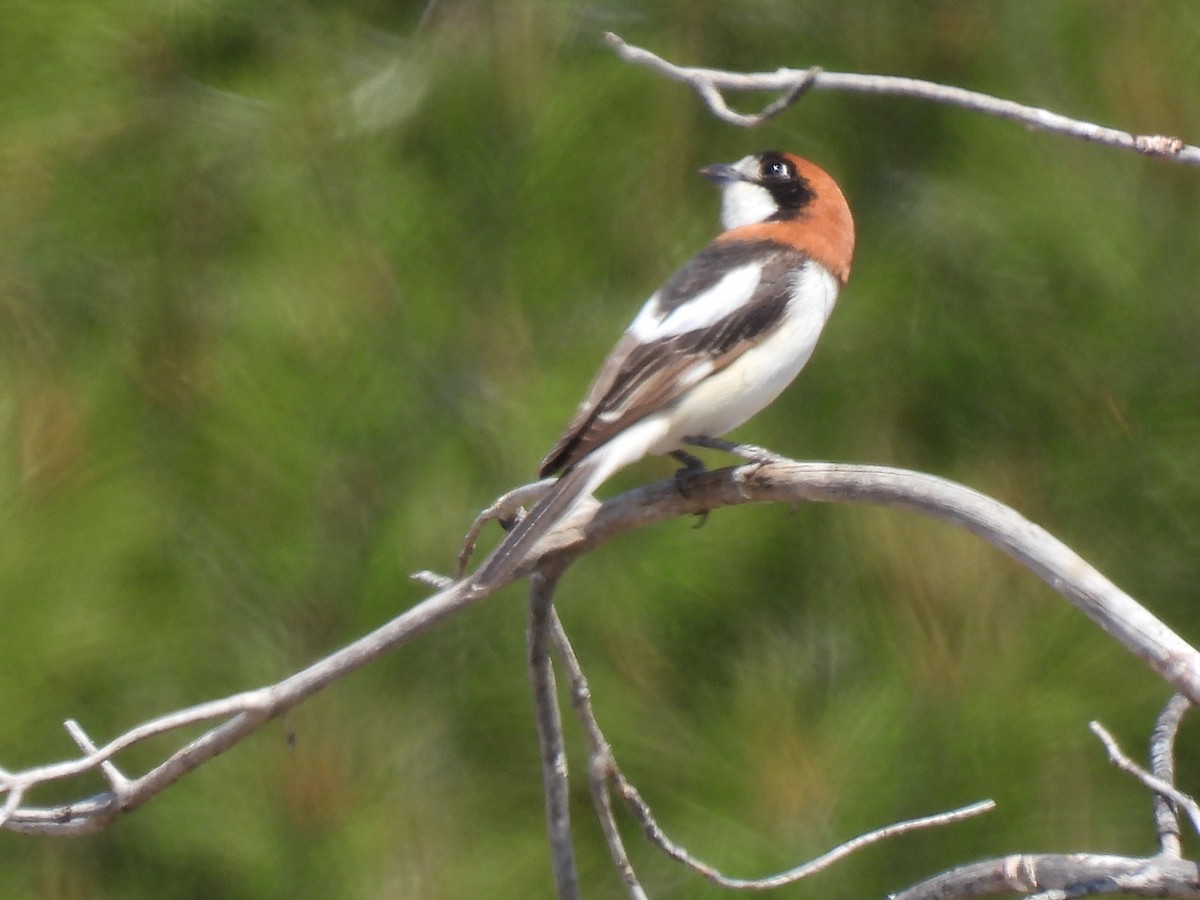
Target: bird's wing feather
(656,362)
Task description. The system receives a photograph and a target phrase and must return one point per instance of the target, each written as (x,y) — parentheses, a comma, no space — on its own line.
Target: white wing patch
(695,374)
(701,311)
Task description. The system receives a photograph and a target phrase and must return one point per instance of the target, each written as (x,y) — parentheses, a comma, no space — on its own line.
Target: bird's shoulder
(753,254)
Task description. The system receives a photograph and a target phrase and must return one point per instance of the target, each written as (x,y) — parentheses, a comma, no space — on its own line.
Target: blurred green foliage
(288,291)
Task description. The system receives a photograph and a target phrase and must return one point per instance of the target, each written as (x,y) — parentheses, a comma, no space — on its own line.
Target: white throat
(743,203)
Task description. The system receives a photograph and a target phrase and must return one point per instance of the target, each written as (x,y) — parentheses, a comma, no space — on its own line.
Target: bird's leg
(692,465)
(748,452)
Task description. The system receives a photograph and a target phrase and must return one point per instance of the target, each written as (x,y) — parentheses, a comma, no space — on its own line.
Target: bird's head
(800,199)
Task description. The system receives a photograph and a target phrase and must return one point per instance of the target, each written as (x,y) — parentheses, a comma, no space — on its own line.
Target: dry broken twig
(791,84)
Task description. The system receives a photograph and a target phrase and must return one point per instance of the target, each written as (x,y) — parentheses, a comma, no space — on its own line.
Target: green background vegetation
(288,291)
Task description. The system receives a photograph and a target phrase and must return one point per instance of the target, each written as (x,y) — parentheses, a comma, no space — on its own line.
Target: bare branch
(550,737)
(1070,875)
(1162,765)
(591,525)
(605,770)
(118,782)
(1059,876)
(242,714)
(602,765)
(243,711)
(1104,603)
(1158,785)
(748,452)
(655,834)
(792,83)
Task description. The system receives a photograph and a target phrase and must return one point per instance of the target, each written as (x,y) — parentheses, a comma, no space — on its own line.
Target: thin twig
(709,83)
(1162,765)
(432,579)
(117,780)
(16,793)
(654,832)
(550,737)
(602,765)
(749,452)
(1129,767)
(605,766)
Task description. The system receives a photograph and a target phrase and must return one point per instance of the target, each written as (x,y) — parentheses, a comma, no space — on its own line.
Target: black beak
(721,172)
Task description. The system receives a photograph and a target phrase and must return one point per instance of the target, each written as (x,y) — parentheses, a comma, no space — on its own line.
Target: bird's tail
(576,483)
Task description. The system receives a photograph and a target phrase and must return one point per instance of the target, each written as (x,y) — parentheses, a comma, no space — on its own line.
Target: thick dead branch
(791,84)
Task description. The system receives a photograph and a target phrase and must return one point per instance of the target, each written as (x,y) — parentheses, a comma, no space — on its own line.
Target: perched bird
(714,345)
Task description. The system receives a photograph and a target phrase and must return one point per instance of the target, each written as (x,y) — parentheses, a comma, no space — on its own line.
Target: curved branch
(790,84)
(784,481)
(1138,630)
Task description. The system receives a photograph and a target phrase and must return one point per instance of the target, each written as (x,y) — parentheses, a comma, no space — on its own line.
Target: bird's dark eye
(778,174)
(776,170)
